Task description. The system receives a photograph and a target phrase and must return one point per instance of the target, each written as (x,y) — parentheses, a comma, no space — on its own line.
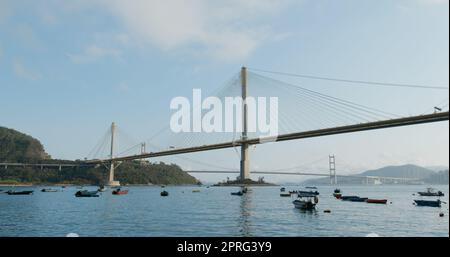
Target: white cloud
(94,52)
(23,72)
(230,29)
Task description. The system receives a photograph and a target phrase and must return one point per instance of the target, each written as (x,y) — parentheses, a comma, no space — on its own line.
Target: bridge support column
(111,181)
(245,158)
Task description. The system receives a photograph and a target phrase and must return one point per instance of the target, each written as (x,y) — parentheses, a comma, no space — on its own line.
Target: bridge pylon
(332,165)
(245,158)
(111,181)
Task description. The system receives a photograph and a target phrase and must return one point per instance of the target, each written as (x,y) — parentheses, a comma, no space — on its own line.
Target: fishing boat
(306,203)
(10,192)
(310,187)
(86,193)
(354,198)
(48,190)
(237,193)
(285,194)
(119,192)
(377,201)
(431,192)
(337,193)
(428,203)
(164,193)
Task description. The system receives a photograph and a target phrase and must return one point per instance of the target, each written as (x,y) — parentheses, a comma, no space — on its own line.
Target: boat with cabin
(306,203)
(431,192)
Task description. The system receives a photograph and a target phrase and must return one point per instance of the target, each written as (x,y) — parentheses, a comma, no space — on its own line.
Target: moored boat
(377,201)
(337,193)
(237,193)
(48,190)
(428,203)
(431,192)
(306,203)
(10,192)
(354,198)
(119,192)
(86,193)
(164,193)
(285,194)
(103,189)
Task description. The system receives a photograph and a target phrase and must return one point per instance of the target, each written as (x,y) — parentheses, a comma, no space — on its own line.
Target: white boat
(306,203)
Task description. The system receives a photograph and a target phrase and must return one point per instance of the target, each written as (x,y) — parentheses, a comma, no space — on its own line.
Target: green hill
(18,147)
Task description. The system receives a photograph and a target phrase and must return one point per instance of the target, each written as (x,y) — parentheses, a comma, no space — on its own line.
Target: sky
(70,68)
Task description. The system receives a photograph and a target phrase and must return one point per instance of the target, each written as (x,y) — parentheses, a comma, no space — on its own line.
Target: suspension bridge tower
(332,165)
(111,181)
(245,158)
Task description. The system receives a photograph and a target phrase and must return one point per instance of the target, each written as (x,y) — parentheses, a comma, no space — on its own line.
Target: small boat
(282,189)
(86,193)
(377,201)
(428,203)
(237,193)
(306,204)
(337,193)
(309,187)
(285,194)
(196,191)
(431,192)
(164,193)
(10,192)
(119,192)
(48,190)
(103,189)
(354,198)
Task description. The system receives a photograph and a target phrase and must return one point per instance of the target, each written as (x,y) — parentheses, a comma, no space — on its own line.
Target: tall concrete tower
(111,181)
(245,162)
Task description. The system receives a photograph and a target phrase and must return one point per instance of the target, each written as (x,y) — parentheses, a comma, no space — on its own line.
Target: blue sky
(70,68)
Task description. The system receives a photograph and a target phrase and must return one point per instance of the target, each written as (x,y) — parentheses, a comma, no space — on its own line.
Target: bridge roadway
(413,120)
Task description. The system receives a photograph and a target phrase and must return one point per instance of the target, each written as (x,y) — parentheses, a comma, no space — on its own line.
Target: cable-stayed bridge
(302,113)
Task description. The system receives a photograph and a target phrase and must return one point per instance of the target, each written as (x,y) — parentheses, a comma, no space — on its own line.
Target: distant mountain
(404,171)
